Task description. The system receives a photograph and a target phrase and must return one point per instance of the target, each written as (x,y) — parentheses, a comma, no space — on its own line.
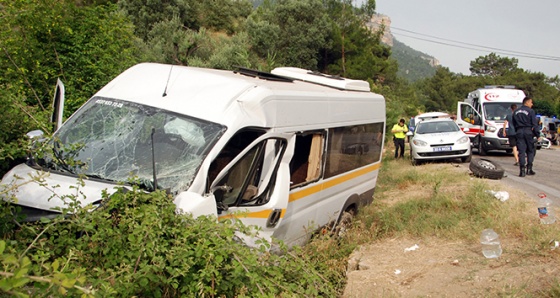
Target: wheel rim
(486,164)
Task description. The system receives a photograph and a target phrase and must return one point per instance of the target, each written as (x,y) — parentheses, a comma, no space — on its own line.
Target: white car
(439,138)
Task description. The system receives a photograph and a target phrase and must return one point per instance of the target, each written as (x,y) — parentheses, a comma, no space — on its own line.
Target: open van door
(468,117)
(254,187)
(58,105)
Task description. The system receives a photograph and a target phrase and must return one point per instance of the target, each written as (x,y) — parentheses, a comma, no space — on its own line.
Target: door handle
(273,218)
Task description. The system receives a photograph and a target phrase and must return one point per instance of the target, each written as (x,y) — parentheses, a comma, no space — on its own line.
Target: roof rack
(499,87)
(322,79)
(261,74)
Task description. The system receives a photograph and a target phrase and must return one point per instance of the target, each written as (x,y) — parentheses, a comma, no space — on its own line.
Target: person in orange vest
(399,133)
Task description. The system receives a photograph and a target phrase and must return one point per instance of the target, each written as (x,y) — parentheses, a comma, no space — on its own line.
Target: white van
(288,151)
(484,112)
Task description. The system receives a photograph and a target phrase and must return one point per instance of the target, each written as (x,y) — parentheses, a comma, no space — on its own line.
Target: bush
(137,245)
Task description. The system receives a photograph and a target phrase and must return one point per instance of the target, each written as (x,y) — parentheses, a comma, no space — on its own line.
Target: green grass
(443,201)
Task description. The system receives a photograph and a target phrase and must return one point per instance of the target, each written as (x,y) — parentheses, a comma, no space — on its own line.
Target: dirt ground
(436,268)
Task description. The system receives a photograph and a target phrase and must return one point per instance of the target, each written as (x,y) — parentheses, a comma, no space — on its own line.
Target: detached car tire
(485,168)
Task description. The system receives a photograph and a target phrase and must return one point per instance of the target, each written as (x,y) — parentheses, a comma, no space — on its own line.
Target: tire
(485,168)
(466,158)
(344,223)
(509,151)
(481,150)
(414,161)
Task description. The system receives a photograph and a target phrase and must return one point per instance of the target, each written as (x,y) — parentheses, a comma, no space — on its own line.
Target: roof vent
(321,79)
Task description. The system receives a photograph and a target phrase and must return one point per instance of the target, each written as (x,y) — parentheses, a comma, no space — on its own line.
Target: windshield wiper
(60,161)
(144,184)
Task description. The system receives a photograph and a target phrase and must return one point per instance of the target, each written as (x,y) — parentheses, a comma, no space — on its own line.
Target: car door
(254,188)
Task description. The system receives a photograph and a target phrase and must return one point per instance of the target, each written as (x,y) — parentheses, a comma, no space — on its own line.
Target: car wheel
(414,161)
(466,158)
(485,168)
(509,151)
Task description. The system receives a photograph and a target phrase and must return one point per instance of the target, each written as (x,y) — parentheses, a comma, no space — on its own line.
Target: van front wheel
(481,150)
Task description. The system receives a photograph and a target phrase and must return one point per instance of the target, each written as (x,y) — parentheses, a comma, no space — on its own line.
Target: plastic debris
(397,272)
(500,195)
(554,244)
(414,247)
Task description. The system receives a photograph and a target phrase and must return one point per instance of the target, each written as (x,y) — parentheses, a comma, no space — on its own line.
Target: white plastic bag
(500,195)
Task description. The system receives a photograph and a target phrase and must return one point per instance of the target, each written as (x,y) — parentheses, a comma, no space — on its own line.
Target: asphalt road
(546,165)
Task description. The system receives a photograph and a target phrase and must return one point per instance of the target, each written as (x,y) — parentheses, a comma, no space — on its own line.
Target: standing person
(509,132)
(399,133)
(526,127)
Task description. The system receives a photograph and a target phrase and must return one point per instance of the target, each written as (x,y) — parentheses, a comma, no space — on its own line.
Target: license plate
(438,149)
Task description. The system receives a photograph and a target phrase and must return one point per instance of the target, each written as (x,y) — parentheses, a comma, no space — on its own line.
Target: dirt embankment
(438,268)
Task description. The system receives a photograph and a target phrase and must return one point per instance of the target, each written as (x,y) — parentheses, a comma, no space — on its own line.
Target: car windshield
(113,140)
(436,127)
(497,110)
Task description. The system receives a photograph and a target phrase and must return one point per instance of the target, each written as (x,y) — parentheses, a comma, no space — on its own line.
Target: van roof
(209,93)
(498,93)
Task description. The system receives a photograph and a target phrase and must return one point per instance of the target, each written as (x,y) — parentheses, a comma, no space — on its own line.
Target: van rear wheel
(344,223)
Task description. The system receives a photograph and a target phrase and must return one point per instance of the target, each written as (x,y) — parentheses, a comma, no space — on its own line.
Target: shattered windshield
(113,140)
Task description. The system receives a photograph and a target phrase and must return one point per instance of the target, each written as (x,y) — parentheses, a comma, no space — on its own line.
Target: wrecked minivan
(288,151)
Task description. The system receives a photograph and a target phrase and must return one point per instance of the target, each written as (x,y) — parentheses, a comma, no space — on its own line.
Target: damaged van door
(254,187)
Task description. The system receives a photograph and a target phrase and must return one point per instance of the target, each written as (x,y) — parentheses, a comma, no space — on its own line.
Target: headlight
(419,143)
(463,140)
(491,128)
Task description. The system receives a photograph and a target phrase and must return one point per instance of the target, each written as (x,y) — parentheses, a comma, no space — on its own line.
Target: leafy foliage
(356,52)
(493,65)
(136,245)
(292,31)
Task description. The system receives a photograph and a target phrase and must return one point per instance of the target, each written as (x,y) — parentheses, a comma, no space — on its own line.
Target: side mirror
(35,134)
(409,133)
(195,204)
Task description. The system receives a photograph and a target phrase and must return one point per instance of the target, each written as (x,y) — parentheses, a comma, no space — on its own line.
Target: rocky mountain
(413,65)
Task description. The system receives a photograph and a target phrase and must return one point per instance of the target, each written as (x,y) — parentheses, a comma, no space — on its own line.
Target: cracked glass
(112,140)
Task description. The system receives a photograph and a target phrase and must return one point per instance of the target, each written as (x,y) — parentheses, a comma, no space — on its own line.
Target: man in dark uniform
(526,127)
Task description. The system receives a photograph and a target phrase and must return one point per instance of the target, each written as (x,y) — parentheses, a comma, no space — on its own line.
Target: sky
(457,32)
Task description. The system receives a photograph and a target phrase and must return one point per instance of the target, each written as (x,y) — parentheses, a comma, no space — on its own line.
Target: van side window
(352,147)
(251,180)
(307,163)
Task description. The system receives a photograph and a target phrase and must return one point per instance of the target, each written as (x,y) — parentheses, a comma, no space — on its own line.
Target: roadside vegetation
(88,43)
(443,201)
(136,245)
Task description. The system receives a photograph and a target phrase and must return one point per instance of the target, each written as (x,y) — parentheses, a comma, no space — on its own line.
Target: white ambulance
(484,112)
(288,151)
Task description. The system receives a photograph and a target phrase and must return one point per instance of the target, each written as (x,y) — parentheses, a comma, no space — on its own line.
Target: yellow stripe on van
(259,214)
(316,188)
(306,192)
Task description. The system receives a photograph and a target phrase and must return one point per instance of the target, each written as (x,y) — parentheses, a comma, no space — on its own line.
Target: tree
(354,50)
(85,46)
(293,31)
(145,14)
(493,65)
(440,93)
